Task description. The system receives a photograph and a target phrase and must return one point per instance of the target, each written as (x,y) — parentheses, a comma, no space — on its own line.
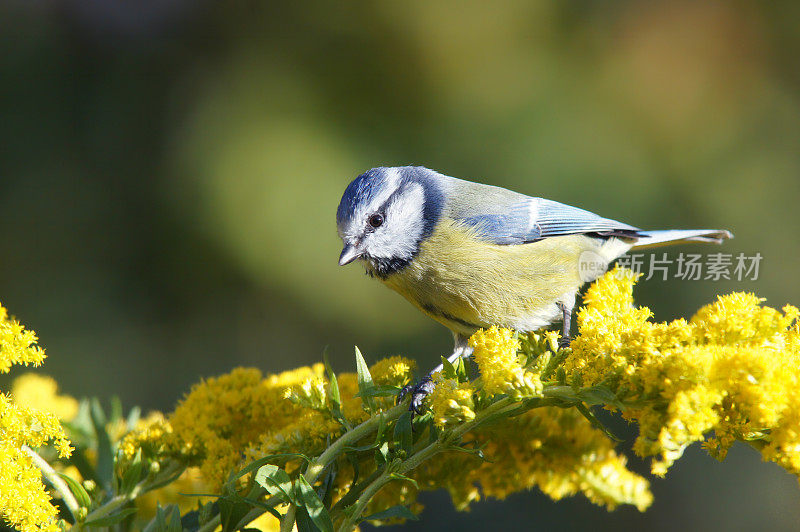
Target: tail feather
(651,239)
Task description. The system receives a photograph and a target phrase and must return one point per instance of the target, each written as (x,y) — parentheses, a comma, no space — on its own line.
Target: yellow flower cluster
(153,437)
(496,352)
(226,421)
(222,417)
(17,345)
(40,392)
(554,449)
(451,401)
(393,371)
(24,501)
(310,394)
(732,369)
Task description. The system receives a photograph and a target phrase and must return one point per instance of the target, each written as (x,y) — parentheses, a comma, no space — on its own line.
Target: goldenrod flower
(730,373)
(496,353)
(40,392)
(310,394)
(24,502)
(554,449)
(17,345)
(153,436)
(732,369)
(451,401)
(393,371)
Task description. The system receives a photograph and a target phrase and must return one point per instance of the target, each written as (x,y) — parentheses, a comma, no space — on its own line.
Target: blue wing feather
(532,219)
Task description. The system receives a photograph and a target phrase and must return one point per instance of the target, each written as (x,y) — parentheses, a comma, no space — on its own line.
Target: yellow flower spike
(41,393)
(554,449)
(17,345)
(451,402)
(393,371)
(732,369)
(25,503)
(495,352)
(310,394)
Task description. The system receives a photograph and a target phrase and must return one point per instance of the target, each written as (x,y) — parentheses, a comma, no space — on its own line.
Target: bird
(472,256)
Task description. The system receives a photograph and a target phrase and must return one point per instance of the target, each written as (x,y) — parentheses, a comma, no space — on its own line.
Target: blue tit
(471,255)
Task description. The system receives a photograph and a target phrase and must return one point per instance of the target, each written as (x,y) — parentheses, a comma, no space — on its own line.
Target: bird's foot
(418,393)
(564,342)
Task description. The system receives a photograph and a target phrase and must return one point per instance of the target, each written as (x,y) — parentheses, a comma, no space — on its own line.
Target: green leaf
(379,391)
(275,480)
(231,512)
(448,371)
(365,384)
(360,448)
(382,428)
(116,410)
(335,395)
(133,474)
(461,370)
(403,436)
(598,395)
(303,521)
(313,505)
(395,512)
(133,418)
(256,464)
(77,490)
(588,414)
(398,476)
(112,519)
(159,523)
(382,454)
(477,451)
(326,492)
(105,450)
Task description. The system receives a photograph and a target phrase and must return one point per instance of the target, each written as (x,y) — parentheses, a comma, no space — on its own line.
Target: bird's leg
(425,386)
(566,314)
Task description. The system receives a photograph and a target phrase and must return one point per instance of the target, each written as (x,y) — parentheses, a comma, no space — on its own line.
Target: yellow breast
(466,283)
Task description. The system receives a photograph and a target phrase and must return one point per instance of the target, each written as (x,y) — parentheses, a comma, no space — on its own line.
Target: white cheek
(404,226)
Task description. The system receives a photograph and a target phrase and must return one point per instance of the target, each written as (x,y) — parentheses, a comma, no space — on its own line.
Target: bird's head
(384,214)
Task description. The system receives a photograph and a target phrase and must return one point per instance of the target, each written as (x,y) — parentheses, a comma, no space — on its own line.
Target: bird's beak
(349,254)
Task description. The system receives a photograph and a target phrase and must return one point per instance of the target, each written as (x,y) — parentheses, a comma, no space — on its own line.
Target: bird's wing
(505,217)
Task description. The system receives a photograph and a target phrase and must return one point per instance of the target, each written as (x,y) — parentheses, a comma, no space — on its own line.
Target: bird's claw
(418,393)
(564,342)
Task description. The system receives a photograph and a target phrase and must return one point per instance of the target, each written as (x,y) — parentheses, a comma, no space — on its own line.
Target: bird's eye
(376,220)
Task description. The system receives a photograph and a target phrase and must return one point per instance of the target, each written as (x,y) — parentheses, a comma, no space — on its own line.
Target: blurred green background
(170,170)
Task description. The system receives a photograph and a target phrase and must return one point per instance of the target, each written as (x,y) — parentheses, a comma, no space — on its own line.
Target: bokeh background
(170,170)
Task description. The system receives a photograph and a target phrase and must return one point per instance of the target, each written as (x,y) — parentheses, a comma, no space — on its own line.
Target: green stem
(112,505)
(118,501)
(57,482)
(352,496)
(443,443)
(318,464)
(330,454)
(369,492)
